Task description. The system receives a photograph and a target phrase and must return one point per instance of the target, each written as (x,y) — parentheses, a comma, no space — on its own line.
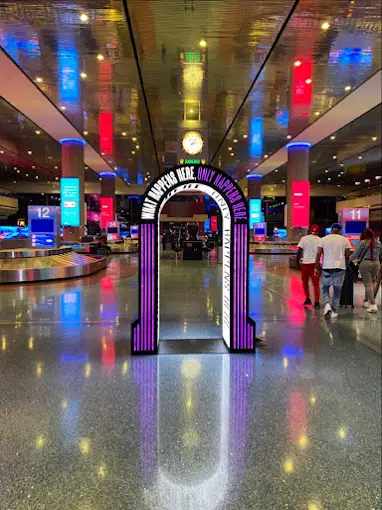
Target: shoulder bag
(353,268)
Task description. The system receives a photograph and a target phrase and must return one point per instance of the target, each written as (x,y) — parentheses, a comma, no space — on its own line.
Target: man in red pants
(306,256)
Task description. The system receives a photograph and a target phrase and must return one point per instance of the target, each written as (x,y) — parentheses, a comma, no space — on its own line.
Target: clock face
(192,143)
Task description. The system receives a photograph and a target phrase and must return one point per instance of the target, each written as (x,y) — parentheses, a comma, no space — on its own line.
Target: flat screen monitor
(42,226)
(112,230)
(259,231)
(355,227)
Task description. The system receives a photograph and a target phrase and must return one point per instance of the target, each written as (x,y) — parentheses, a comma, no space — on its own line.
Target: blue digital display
(68,71)
(256,137)
(42,226)
(39,240)
(207,225)
(255,214)
(70,202)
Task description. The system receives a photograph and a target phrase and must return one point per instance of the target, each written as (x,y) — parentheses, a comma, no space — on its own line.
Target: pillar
(72,165)
(298,190)
(254,185)
(108,198)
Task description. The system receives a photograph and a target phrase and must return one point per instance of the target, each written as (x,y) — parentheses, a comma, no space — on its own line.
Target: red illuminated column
(108,199)
(72,165)
(298,190)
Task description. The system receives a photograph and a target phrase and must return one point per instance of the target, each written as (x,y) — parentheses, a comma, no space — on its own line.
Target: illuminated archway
(238,327)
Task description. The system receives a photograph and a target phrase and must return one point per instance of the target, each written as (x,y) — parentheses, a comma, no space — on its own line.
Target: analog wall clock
(192,143)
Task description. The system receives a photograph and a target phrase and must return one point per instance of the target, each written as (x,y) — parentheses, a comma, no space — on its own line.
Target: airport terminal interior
(170,172)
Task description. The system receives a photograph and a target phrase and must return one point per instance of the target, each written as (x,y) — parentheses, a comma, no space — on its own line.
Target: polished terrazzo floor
(86,427)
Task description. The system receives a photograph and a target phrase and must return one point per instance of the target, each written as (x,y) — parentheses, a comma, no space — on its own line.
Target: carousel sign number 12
(43,212)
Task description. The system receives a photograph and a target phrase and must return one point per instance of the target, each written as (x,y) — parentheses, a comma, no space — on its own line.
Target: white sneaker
(372,309)
(333,315)
(366,304)
(327,310)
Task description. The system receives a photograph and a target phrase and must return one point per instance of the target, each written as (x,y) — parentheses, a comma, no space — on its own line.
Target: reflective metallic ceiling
(91,58)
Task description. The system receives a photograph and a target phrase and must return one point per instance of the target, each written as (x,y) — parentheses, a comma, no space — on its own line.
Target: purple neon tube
(234,289)
(153,310)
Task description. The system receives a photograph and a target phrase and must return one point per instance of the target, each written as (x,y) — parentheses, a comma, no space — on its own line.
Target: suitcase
(347,292)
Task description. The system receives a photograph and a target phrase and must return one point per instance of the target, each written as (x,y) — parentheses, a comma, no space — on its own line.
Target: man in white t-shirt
(306,257)
(335,250)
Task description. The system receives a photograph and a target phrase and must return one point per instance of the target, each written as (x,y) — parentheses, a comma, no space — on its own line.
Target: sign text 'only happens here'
(203,175)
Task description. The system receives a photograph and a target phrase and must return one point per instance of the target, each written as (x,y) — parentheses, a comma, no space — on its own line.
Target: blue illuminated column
(72,164)
(297,172)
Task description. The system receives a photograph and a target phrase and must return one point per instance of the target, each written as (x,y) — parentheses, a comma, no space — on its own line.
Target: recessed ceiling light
(283,180)
(134,138)
(100,57)
(132,152)
(297,63)
(137,147)
(357,183)
(378,177)
(56,167)
(83,75)
(232,153)
(332,137)
(235,141)
(316,114)
(319,181)
(265,156)
(63,108)
(86,168)
(334,157)
(326,171)
(202,43)
(33,167)
(289,137)
(14,182)
(18,171)
(374,138)
(347,88)
(1,152)
(338,185)
(26,175)
(359,157)
(245,136)
(308,81)
(36,176)
(276,171)
(367,180)
(191,110)
(29,152)
(38,132)
(124,133)
(86,133)
(325,25)
(84,17)
(39,79)
(329,178)
(341,164)
(56,178)
(229,148)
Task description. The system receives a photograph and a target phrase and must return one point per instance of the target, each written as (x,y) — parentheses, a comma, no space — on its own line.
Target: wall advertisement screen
(255,214)
(70,202)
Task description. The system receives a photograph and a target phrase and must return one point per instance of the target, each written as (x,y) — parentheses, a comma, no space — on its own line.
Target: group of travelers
(329,259)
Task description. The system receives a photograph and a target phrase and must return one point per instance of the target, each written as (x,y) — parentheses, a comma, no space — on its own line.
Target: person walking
(335,250)
(368,251)
(306,257)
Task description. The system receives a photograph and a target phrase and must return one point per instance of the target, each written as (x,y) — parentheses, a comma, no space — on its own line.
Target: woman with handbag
(367,256)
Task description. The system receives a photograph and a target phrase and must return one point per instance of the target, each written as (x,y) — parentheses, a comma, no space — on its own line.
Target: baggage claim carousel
(24,265)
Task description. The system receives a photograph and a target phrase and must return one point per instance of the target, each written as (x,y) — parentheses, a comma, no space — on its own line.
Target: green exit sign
(193,57)
(192,161)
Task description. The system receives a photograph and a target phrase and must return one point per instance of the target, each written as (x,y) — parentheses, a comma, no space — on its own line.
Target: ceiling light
(359,157)
(319,181)
(1,152)
(357,183)
(325,25)
(374,138)
(84,17)
(378,177)
(83,75)
(265,156)
(26,175)
(33,167)
(316,114)
(38,132)
(124,133)
(289,137)
(132,152)
(326,171)
(29,152)
(203,43)
(56,178)
(332,137)
(137,147)
(100,57)
(334,157)
(347,88)
(308,81)
(134,138)
(36,176)
(229,148)
(56,167)
(63,108)
(18,171)
(39,79)
(235,141)
(191,110)
(367,181)
(329,178)
(283,180)
(232,153)
(276,171)
(86,168)
(338,185)
(245,136)
(86,133)
(297,63)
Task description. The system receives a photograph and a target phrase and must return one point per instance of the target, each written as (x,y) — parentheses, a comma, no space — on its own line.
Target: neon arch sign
(238,327)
